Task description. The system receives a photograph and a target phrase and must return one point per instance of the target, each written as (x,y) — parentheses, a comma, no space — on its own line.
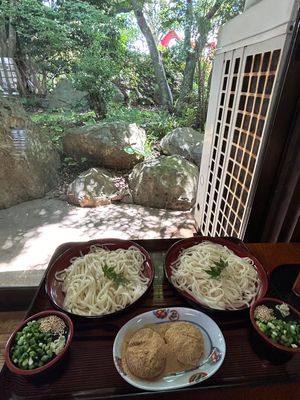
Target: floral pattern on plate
(174,315)
(195,378)
(163,313)
(215,356)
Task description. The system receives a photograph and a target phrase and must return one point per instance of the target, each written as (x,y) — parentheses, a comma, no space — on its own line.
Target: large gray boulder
(166,182)
(96,187)
(186,142)
(29,163)
(65,96)
(111,145)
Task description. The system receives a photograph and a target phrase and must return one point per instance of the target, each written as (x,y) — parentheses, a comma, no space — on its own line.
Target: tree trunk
(187,82)
(98,104)
(23,66)
(203,27)
(202,95)
(11,39)
(160,75)
(8,41)
(189,73)
(8,37)
(190,62)
(3,47)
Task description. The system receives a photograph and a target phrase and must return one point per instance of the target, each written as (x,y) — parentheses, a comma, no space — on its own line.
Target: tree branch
(211,13)
(165,92)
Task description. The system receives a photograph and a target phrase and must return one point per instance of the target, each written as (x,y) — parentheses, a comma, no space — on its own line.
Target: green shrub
(55,124)
(155,122)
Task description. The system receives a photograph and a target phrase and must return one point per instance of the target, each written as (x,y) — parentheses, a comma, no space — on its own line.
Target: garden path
(31,231)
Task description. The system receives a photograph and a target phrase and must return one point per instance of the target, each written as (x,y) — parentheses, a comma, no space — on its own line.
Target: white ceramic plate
(210,362)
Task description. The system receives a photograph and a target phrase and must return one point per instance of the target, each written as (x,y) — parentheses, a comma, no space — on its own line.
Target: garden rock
(65,96)
(96,187)
(117,95)
(168,182)
(186,142)
(28,162)
(113,145)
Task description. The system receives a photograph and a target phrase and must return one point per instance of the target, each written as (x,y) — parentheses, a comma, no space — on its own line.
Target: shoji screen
(8,77)
(244,84)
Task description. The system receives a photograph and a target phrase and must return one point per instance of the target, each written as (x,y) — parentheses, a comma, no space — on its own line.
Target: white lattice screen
(244,83)
(8,76)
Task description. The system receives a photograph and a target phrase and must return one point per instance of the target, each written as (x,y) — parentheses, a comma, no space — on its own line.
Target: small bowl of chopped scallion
(39,342)
(277,323)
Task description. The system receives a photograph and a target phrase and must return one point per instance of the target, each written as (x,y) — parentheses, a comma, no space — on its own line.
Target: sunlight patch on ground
(30,232)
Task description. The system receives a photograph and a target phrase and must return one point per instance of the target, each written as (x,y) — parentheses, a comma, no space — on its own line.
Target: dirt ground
(31,231)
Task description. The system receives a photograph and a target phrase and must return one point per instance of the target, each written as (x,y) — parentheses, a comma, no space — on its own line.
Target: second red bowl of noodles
(215,273)
(98,278)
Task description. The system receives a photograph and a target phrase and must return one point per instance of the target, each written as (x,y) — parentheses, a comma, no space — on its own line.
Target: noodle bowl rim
(176,249)
(53,286)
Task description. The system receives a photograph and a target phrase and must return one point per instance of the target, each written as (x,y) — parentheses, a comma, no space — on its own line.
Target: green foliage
(74,37)
(31,102)
(52,37)
(35,25)
(64,118)
(161,124)
(140,153)
(136,79)
(155,122)
(100,63)
(91,43)
(173,13)
(200,21)
(68,162)
(55,124)
(174,66)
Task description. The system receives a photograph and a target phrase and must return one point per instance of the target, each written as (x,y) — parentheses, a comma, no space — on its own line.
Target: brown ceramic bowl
(30,372)
(272,303)
(241,251)
(77,249)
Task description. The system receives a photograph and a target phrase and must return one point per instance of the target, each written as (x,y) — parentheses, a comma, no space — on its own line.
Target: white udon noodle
(89,292)
(236,286)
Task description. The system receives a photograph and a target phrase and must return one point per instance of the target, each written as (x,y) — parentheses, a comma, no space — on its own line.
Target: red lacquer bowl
(30,372)
(272,303)
(63,260)
(241,251)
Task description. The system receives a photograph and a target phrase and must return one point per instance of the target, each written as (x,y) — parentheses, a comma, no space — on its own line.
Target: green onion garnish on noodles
(117,278)
(215,271)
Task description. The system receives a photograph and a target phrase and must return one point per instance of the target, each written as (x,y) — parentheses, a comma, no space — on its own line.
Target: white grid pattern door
(8,77)
(244,84)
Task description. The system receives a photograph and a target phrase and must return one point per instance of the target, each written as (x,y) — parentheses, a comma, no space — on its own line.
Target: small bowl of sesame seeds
(277,324)
(39,343)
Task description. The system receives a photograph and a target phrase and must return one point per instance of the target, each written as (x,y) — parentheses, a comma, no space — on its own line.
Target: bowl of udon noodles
(215,273)
(98,278)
